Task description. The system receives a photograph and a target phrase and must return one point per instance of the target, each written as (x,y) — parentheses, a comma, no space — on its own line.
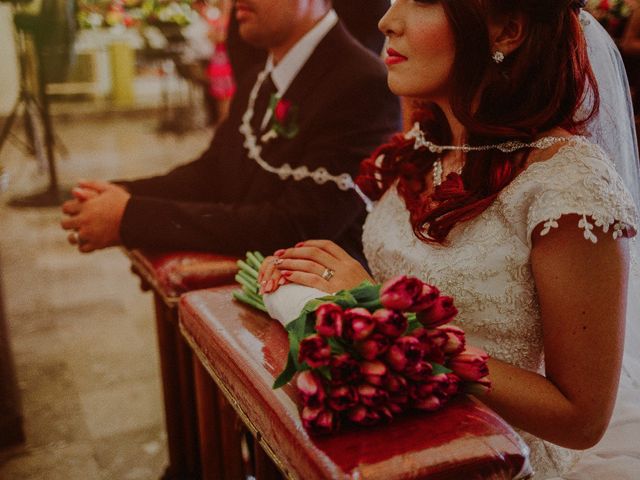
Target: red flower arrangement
(365,355)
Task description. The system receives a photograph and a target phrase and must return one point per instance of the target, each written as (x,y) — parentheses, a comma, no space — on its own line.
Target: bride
(505,195)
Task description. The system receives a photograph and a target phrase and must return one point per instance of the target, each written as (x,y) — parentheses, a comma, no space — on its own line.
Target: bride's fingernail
(286,273)
(281,281)
(269,286)
(300,244)
(279,253)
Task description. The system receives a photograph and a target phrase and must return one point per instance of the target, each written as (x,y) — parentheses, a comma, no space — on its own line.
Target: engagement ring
(327,274)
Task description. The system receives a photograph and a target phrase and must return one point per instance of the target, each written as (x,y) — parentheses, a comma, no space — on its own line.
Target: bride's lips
(394,57)
(243,10)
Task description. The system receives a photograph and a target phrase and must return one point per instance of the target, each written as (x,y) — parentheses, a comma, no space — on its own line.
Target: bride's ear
(508,33)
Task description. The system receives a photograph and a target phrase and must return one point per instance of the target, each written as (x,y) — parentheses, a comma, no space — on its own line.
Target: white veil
(613,129)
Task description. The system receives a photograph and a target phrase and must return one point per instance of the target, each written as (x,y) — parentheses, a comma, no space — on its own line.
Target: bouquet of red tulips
(365,355)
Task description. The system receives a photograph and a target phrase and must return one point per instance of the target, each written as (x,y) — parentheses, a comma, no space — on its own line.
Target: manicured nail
(282,281)
(300,244)
(286,273)
(279,253)
(269,286)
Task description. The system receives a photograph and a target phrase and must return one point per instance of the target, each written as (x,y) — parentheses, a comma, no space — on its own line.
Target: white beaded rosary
(254,151)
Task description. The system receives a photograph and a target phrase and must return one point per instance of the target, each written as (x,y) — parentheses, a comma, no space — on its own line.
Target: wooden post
(11,430)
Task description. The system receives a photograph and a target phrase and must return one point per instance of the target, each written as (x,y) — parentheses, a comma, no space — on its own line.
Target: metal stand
(39,130)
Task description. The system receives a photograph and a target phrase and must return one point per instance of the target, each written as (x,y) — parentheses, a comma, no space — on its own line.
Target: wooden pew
(169,275)
(242,351)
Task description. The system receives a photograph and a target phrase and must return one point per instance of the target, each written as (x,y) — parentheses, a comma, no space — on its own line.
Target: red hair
(544,84)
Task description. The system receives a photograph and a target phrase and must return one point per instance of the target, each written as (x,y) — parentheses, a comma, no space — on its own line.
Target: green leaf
(413,323)
(366,292)
(325,372)
(438,369)
(336,345)
(286,375)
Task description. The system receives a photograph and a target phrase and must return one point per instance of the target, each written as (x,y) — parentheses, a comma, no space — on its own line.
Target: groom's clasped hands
(318,264)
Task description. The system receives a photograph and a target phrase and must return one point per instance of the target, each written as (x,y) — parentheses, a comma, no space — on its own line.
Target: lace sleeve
(581,180)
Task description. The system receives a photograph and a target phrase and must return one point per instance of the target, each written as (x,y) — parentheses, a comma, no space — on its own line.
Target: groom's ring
(327,274)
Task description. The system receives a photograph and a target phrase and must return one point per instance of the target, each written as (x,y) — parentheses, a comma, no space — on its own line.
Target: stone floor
(82,332)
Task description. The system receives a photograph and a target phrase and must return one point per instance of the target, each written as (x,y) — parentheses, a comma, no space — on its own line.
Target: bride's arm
(582,293)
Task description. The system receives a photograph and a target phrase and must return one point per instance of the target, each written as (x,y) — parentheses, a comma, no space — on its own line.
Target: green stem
(244,282)
(244,298)
(253,261)
(247,268)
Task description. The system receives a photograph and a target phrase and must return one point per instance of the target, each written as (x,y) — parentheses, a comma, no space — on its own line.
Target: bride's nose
(391,24)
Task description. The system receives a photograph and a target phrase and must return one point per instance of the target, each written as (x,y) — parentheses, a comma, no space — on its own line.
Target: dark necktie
(267,89)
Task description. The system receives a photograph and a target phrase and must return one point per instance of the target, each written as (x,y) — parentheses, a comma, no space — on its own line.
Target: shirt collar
(284,73)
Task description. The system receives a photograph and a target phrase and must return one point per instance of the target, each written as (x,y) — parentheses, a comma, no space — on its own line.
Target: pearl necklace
(254,151)
(506,147)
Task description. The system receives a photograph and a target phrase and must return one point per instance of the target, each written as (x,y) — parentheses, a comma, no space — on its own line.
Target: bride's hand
(319,264)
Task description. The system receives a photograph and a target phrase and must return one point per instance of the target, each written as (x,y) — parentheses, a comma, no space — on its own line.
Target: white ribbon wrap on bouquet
(286,303)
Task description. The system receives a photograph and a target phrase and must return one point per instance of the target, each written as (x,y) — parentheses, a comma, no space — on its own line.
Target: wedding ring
(327,274)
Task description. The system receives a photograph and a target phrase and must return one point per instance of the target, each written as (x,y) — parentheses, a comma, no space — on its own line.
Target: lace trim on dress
(580,180)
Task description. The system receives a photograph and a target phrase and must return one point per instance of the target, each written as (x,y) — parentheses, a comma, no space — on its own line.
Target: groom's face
(268,23)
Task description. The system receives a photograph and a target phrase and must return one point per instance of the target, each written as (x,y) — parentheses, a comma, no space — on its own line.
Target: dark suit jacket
(224,202)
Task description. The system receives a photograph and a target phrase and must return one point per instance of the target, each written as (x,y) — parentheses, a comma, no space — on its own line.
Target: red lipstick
(394,57)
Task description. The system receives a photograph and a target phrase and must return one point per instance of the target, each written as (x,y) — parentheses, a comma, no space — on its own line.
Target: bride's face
(421,49)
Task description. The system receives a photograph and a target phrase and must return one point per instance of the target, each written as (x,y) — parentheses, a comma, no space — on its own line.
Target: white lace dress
(485,264)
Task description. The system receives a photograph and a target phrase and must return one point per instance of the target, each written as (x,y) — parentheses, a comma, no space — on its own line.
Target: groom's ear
(508,33)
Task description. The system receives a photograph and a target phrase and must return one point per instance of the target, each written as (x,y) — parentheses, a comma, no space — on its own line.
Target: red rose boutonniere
(283,119)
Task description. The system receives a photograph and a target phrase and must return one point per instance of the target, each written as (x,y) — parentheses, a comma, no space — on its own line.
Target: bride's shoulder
(569,152)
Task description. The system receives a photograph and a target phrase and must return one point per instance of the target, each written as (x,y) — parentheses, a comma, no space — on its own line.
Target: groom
(322,107)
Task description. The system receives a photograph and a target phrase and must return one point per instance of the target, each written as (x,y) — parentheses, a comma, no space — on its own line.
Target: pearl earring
(498,56)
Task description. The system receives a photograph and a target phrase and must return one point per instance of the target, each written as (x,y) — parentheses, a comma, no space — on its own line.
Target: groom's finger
(303,266)
(310,253)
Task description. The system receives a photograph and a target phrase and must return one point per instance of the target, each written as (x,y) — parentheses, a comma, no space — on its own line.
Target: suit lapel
(321,61)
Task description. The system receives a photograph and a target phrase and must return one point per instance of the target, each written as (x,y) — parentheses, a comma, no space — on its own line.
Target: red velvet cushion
(172,273)
(245,350)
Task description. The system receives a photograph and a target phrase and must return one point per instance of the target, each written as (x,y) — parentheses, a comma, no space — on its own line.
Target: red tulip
(433,342)
(405,353)
(329,320)
(455,339)
(420,372)
(471,364)
(315,351)
(440,312)
(342,398)
(407,293)
(318,420)
(358,324)
(374,372)
(479,387)
(374,346)
(367,416)
(310,388)
(372,396)
(344,369)
(431,395)
(390,323)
